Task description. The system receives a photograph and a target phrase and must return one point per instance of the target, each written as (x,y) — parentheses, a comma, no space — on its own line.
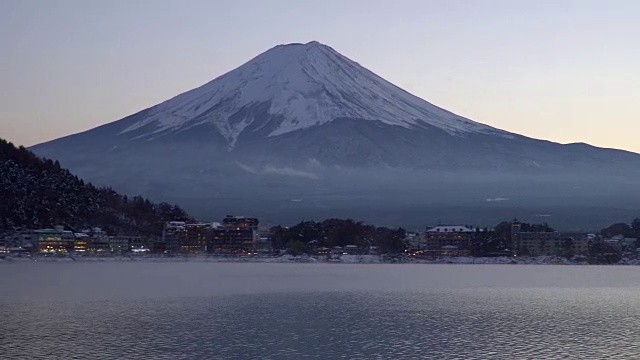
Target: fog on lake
(186,310)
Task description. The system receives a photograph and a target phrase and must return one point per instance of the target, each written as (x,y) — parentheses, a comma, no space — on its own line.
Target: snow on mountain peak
(305,85)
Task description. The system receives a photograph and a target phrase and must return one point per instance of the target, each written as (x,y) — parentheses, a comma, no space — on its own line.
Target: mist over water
(381,174)
(414,200)
(252,310)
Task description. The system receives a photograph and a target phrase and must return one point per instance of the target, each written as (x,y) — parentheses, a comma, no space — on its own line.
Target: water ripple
(452,324)
(365,312)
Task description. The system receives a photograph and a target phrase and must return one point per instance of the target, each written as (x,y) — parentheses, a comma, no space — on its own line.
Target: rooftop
(451,228)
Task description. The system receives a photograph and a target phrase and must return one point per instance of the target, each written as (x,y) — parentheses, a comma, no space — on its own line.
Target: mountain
(38,193)
(301,131)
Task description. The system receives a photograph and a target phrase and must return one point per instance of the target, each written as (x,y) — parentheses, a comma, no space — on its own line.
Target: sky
(563,70)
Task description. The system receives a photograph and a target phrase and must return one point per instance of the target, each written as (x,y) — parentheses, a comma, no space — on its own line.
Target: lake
(191,310)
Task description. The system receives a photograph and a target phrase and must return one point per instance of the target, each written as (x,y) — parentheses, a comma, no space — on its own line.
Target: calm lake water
(294,311)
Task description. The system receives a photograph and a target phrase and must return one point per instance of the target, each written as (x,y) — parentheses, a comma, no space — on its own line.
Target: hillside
(38,193)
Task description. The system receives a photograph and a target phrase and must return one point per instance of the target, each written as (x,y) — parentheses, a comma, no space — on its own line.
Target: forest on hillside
(39,193)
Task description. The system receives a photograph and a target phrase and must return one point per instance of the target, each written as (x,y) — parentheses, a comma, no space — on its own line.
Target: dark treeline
(627,230)
(608,254)
(39,193)
(329,233)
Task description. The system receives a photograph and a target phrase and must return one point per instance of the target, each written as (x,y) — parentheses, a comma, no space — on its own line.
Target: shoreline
(343,259)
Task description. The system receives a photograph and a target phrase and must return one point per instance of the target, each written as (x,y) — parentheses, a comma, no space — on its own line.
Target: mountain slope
(298,86)
(301,121)
(38,193)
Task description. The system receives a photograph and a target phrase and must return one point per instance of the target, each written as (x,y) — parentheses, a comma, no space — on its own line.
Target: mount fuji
(301,131)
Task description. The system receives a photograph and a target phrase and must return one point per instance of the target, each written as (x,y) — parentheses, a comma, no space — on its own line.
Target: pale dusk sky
(565,70)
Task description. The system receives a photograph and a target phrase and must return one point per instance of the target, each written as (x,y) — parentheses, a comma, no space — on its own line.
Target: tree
(503,230)
(603,253)
(617,229)
(278,237)
(338,232)
(297,247)
(390,241)
(43,194)
(635,226)
(567,247)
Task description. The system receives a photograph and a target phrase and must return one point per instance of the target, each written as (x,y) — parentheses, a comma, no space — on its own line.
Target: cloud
(315,162)
(248,169)
(497,199)
(284,171)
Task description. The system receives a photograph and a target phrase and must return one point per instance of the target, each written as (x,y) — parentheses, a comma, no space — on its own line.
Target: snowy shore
(344,259)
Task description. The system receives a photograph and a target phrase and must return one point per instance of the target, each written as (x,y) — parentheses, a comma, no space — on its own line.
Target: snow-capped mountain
(303,122)
(304,85)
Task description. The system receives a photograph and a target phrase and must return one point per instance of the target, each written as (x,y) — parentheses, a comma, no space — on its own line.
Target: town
(237,235)
(241,236)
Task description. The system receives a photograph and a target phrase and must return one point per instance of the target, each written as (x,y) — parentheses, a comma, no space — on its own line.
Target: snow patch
(497,199)
(284,171)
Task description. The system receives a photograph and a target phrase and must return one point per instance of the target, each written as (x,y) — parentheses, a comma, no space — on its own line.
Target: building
(242,239)
(415,241)
(351,249)
(240,222)
(581,245)
(194,237)
(120,244)
(56,240)
(448,237)
(81,242)
(536,243)
(218,241)
(231,240)
(171,237)
(622,243)
(236,234)
(21,238)
(98,240)
(140,242)
(242,232)
(551,243)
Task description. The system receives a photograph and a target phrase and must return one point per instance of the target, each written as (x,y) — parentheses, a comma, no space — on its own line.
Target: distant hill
(38,193)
